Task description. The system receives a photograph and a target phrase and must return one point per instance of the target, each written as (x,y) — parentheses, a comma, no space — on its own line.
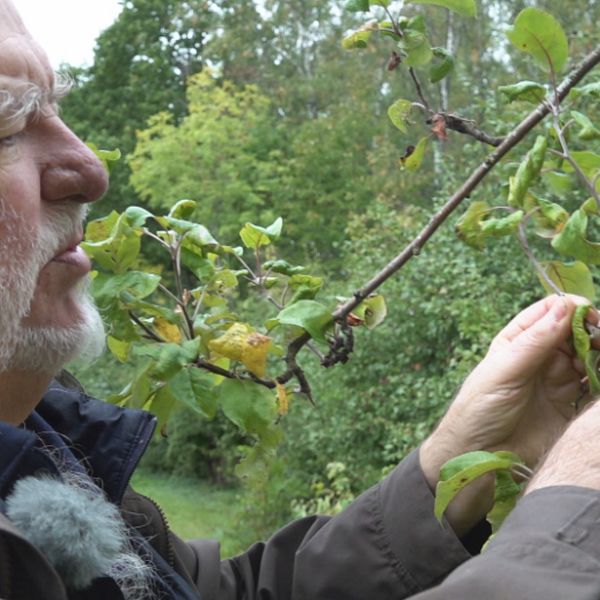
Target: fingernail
(559,310)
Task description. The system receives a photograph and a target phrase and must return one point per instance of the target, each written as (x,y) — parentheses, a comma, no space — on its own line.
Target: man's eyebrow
(27,100)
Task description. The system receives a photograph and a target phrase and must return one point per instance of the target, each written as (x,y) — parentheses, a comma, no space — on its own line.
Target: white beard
(43,348)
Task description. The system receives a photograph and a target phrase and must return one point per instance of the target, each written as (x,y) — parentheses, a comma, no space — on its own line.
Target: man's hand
(519,398)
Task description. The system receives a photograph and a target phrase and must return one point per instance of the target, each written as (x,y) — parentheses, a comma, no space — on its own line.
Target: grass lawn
(195,509)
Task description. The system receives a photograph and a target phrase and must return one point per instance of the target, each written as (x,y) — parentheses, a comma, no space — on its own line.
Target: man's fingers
(534,313)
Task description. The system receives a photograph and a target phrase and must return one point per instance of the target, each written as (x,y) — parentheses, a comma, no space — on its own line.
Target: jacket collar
(107,439)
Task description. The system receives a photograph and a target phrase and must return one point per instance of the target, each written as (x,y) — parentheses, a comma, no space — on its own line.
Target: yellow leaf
(283,401)
(167,331)
(240,342)
(255,352)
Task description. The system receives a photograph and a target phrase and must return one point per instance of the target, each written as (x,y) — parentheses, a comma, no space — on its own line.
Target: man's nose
(72,171)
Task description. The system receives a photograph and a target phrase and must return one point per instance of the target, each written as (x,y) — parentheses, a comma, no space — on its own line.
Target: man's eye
(9,141)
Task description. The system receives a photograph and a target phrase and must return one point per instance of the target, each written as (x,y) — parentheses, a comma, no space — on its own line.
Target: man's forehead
(10,21)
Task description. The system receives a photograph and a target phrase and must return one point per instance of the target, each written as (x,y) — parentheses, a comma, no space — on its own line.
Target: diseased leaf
(399,113)
(357,40)
(549,218)
(499,226)
(571,278)
(506,493)
(539,34)
(414,160)
(459,472)
(371,311)
(587,131)
(467,8)
(525,91)
(468,227)
(240,342)
(167,331)
(527,172)
(583,347)
(283,401)
(572,240)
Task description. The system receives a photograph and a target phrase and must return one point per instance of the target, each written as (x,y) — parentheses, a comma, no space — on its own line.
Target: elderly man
(70,527)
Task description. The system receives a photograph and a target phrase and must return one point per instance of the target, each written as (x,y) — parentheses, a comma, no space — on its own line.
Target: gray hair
(30,100)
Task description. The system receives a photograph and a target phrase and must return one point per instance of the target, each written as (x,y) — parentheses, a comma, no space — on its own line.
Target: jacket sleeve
(387,544)
(547,549)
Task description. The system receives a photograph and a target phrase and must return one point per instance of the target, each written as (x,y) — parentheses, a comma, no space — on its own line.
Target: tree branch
(509,142)
(467,126)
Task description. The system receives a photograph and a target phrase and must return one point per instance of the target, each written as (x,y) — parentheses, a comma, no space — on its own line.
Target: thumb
(530,349)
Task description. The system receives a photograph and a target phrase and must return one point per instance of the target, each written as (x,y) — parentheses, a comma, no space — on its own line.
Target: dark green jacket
(386,546)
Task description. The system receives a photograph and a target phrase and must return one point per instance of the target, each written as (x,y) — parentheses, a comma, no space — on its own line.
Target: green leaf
(416,46)
(587,131)
(283,267)
(587,161)
(357,39)
(254,236)
(559,183)
(195,388)
(109,288)
(184,209)
(137,216)
(459,472)
(441,69)
(119,250)
(305,287)
(527,172)
(357,5)
(253,408)
(591,89)
(171,358)
(312,316)
(380,2)
(467,8)
(539,34)
(571,278)
(414,161)
(525,91)
(119,348)
(106,157)
(572,241)
(583,347)
(399,113)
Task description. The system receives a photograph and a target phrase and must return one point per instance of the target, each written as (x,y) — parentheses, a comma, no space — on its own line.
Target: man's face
(47,175)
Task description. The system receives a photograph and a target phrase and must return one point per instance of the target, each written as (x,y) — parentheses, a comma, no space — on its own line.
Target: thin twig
(149,332)
(419,89)
(522,237)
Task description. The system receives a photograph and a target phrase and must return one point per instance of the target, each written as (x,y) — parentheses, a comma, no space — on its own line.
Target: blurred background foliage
(253,109)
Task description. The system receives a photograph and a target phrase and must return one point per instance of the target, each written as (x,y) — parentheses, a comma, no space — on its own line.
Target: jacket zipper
(170,550)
